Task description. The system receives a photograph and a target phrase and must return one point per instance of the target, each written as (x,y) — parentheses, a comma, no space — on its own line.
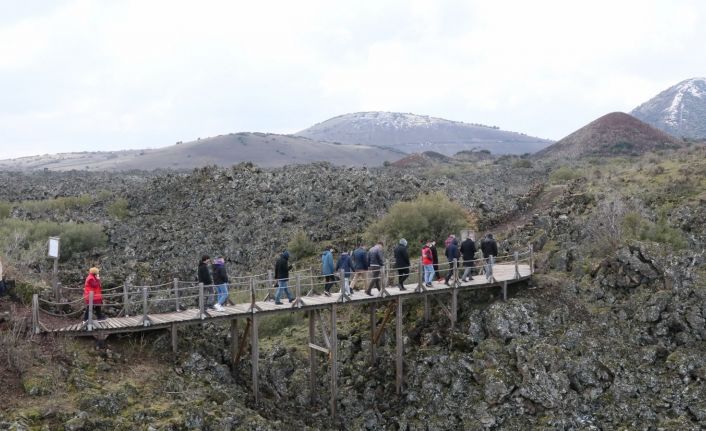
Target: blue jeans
(428,273)
(222,290)
(282,288)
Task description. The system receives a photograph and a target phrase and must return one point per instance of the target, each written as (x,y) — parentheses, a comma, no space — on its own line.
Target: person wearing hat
(402,263)
(93,285)
(282,268)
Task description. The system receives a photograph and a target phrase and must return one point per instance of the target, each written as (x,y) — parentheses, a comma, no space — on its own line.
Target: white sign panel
(54,247)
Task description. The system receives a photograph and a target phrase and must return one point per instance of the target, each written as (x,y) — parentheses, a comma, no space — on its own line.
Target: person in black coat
(204,276)
(402,263)
(489,247)
(282,268)
(452,255)
(468,251)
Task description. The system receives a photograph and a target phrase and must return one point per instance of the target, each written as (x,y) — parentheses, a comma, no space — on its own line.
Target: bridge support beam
(234,341)
(454,307)
(334,362)
(175,338)
(427,309)
(312,358)
(373,320)
(505,290)
(254,345)
(399,345)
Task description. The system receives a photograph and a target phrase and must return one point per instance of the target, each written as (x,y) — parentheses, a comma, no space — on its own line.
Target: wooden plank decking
(503,273)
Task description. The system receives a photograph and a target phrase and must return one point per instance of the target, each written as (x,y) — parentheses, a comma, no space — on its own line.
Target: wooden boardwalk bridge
(170,305)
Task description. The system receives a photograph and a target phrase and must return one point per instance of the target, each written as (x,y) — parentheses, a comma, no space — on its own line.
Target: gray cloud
(81,75)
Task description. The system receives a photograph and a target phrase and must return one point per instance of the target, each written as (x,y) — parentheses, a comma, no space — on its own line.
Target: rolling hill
(614,134)
(679,110)
(412,133)
(262,149)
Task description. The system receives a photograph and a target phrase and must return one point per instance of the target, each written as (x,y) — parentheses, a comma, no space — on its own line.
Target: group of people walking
(361,265)
(365,265)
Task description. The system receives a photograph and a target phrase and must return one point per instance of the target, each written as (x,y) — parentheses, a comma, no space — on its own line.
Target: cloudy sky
(79,75)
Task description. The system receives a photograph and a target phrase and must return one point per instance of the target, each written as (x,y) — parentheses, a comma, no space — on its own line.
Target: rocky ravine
(610,342)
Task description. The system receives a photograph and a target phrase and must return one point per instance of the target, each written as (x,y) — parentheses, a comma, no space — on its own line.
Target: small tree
(300,246)
(431,216)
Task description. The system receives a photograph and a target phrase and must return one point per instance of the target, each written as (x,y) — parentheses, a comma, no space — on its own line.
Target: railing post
(126,300)
(517,266)
(202,305)
(89,324)
(491,263)
(176,292)
(531,258)
(298,299)
(270,284)
(455,269)
(145,308)
(35,313)
(420,276)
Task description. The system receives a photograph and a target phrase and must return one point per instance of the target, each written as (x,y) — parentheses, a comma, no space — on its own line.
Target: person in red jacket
(428,263)
(93,284)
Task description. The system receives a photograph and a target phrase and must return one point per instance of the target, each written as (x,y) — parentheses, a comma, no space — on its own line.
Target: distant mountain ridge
(614,134)
(679,110)
(411,133)
(263,149)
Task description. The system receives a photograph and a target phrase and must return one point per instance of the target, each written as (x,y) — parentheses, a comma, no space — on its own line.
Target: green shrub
(522,164)
(119,209)
(17,236)
(563,174)
(60,204)
(5,208)
(300,246)
(662,233)
(431,216)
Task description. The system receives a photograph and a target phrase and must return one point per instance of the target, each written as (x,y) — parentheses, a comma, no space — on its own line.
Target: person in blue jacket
(327,270)
(345,263)
(360,266)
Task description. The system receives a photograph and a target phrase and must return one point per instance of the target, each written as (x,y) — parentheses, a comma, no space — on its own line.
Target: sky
(81,75)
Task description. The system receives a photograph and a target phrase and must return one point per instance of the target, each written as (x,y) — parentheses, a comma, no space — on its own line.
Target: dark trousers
(329,279)
(451,270)
(402,274)
(97,312)
(375,282)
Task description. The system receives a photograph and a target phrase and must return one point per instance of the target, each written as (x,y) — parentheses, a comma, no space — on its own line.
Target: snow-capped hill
(680,110)
(412,133)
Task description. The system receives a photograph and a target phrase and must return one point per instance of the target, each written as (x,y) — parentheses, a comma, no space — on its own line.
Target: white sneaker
(218,307)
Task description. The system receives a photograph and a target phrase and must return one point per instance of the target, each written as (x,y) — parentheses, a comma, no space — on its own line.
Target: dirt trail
(540,205)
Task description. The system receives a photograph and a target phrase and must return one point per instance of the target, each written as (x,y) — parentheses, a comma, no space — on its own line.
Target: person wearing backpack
(428,264)
(452,255)
(360,266)
(346,264)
